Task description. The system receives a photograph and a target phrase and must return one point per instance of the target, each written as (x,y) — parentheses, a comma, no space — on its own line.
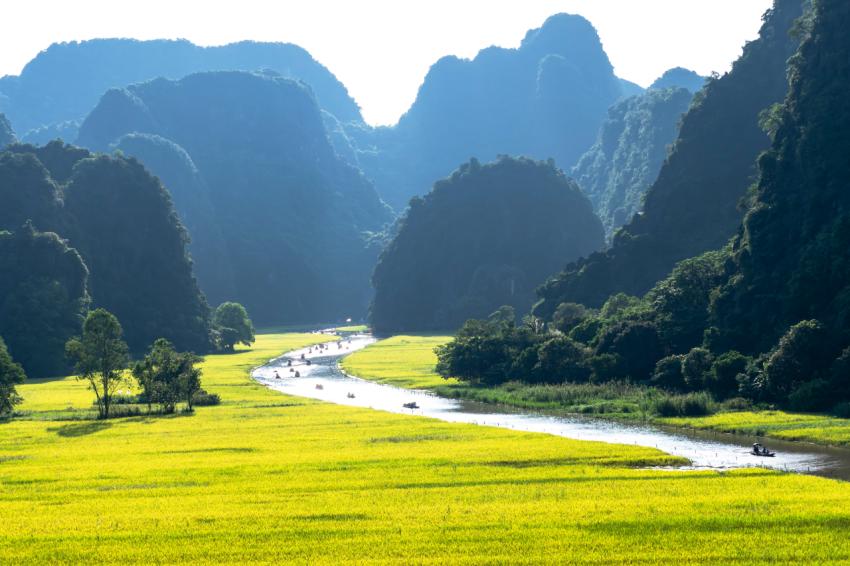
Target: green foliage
(722,380)
(121,221)
(679,77)
(167,377)
(695,366)
(7,133)
(690,405)
(100,356)
(234,326)
(43,298)
(588,331)
(11,374)
(483,237)
(608,367)
(636,343)
(570,315)
(505,315)
(691,207)
(629,153)
(668,374)
(560,360)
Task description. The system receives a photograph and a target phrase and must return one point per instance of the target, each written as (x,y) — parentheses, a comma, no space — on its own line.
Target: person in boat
(756,449)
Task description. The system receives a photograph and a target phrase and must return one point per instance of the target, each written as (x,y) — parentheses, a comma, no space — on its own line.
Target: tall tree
(100,356)
(11,374)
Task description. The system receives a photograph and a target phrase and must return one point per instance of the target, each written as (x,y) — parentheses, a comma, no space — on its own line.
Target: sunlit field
(777,424)
(269,478)
(403,361)
(360,328)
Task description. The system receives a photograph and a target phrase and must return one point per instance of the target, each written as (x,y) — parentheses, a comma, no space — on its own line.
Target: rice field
(267,478)
(820,429)
(403,361)
(360,328)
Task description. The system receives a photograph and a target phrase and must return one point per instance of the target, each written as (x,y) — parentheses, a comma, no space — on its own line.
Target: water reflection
(320,379)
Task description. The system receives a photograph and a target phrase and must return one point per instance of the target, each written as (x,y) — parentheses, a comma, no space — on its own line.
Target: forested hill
(631,147)
(790,258)
(544,99)
(294,217)
(65,81)
(121,221)
(7,133)
(482,238)
(679,77)
(692,206)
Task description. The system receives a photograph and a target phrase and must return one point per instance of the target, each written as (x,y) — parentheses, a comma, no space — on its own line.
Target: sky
(381,50)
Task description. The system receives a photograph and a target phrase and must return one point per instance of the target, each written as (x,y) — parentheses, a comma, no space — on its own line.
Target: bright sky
(382,49)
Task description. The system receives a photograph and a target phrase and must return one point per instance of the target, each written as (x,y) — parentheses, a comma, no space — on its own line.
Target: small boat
(302,356)
(350,395)
(411,405)
(289,363)
(291,370)
(297,374)
(759,450)
(320,387)
(276,376)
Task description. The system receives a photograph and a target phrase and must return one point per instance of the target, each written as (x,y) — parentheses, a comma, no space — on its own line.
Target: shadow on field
(81,429)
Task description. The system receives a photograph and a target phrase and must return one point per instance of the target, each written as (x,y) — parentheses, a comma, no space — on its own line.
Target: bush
(817,395)
(203,399)
(668,374)
(690,405)
(722,379)
(842,410)
(737,404)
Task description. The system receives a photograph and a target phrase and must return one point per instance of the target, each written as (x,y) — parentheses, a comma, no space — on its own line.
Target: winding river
(705,450)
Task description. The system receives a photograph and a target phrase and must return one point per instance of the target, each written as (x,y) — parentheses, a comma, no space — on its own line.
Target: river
(705,450)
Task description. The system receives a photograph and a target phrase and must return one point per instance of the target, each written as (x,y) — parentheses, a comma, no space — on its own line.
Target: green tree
(505,315)
(234,325)
(722,379)
(562,360)
(167,377)
(101,357)
(695,366)
(11,374)
(668,374)
(570,315)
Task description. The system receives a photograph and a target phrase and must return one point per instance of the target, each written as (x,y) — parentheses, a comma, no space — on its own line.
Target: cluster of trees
(7,133)
(283,224)
(110,235)
(485,236)
(766,316)
(692,207)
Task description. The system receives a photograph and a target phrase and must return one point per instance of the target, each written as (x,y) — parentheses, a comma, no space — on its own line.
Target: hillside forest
(565,224)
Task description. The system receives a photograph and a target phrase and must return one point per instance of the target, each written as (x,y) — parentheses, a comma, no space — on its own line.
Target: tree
(722,379)
(234,325)
(570,315)
(668,374)
(562,360)
(101,357)
(695,366)
(505,315)
(168,377)
(11,374)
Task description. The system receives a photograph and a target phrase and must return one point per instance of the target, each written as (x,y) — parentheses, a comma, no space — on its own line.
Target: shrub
(694,367)
(817,395)
(722,379)
(668,374)
(690,405)
(203,399)
(842,410)
(737,404)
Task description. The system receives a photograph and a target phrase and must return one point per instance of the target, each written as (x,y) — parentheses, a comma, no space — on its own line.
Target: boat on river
(759,450)
(411,405)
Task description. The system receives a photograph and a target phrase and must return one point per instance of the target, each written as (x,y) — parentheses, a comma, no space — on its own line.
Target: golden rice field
(403,361)
(359,328)
(820,429)
(266,478)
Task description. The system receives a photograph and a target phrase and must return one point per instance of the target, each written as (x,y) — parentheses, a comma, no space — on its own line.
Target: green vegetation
(629,152)
(101,357)
(691,208)
(233,326)
(404,361)
(265,476)
(294,230)
(484,237)
(64,82)
(121,221)
(43,293)
(166,377)
(11,374)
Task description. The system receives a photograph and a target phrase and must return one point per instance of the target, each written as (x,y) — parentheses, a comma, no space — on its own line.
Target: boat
(320,386)
(759,450)
(297,374)
(350,395)
(411,405)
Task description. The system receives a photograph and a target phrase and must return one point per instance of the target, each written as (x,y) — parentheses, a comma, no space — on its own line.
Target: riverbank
(408,361)
(271,478)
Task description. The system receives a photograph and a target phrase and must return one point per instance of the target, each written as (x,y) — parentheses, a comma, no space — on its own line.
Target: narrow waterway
(706,450)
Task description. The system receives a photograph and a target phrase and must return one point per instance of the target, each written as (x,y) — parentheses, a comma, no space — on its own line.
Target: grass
(361,328)
(267,478)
